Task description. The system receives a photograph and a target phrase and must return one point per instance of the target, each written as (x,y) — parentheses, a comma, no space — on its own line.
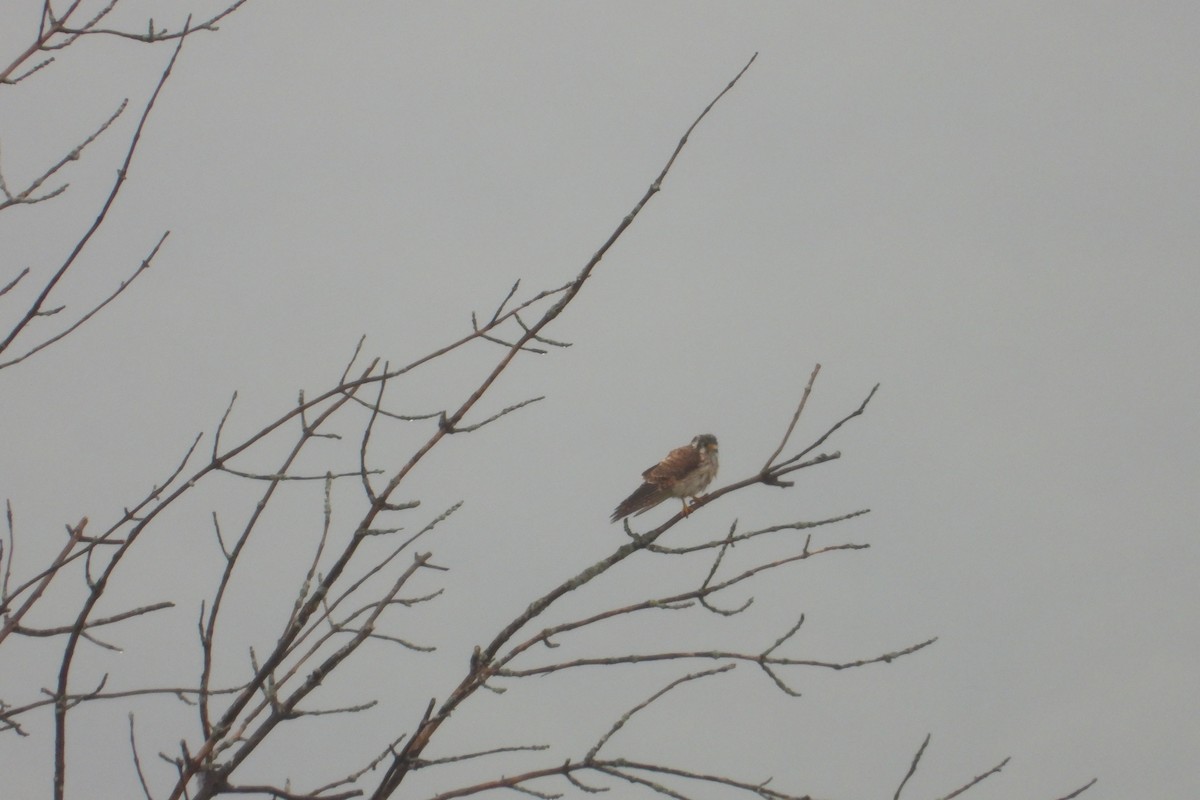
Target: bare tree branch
(624,718)
(417,742)
(795,418)
(714,655)
(38,304)
(125,284)
(912,768)
(1079,791)
(96,623)
(977,779)
(26,195)
(137,762)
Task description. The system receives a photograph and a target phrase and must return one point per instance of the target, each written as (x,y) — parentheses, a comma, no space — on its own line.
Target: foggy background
(991,210)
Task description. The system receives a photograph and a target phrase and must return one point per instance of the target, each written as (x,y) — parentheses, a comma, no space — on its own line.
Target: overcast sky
(989,209)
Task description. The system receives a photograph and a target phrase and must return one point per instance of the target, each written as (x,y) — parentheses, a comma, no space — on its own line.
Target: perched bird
(684,473)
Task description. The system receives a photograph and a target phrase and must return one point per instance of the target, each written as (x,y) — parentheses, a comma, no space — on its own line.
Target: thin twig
(137,762)
(122,174)
(714,655)
(977,779)
(624,718)
(25,196)
(795,418)
(13,620)
(912,768)
(1079,791)
(96,623)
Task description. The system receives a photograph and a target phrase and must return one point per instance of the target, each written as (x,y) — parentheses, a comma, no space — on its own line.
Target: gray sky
(990,209)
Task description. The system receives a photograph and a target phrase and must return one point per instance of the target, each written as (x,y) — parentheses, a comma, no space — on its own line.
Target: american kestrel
(684,473)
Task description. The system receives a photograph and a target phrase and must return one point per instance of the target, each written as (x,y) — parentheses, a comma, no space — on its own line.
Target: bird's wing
(679,462)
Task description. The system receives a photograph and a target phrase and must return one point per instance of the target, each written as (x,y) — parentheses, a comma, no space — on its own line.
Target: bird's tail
(645,498)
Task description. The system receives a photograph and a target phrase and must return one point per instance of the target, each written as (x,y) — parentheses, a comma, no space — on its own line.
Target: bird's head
(705,443)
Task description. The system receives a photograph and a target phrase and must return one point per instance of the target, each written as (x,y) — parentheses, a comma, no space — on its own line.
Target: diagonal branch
(36,307)
(912,768)
(1079,791)
(125,284)
(795,418)
(716,655)
(477,676)
(624,718)
(977,779)
(25,196)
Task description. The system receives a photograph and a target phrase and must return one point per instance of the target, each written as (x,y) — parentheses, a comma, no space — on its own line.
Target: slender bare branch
(619,766)
(12,544)
(713,655)
(125,284)
(977,779)
(26,195)
(137,762)
(49,27)
(795,418)
(1079,791)
(496,416)
(95,623)
(624,718)
(13,620)
(521,748)
(834,428)
(912,768)
(162,34)
(36,307)
(354,776)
